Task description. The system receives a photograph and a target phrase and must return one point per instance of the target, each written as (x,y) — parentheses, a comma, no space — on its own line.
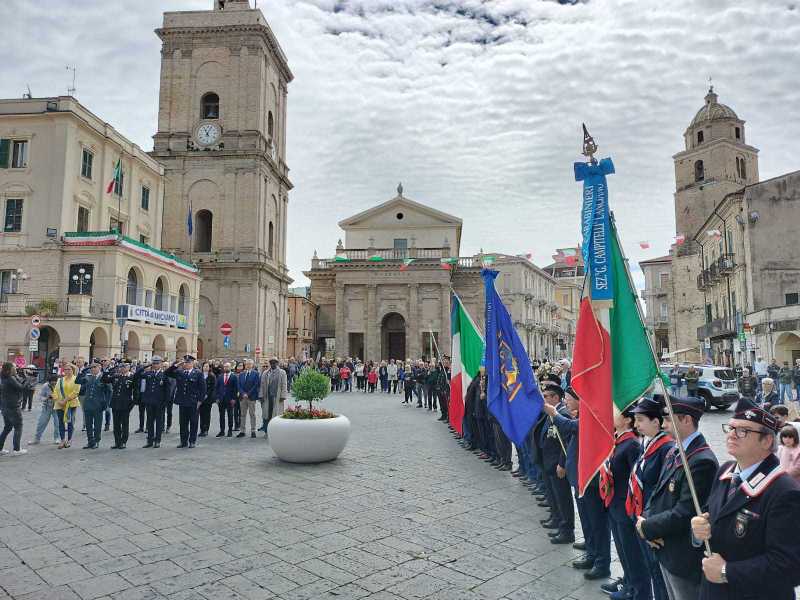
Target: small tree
(311,385)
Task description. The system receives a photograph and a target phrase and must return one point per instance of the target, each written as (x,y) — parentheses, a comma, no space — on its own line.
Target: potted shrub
(308,434)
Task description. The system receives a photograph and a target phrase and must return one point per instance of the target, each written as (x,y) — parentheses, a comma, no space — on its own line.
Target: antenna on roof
(71,90)
(27,95)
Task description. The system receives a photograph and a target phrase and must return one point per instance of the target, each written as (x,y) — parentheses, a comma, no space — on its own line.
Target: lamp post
(19,276)
(82,278)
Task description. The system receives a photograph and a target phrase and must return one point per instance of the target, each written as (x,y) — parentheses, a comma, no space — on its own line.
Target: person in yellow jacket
(65,403)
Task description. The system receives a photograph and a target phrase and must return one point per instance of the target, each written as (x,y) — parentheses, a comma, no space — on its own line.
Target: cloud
(475,105)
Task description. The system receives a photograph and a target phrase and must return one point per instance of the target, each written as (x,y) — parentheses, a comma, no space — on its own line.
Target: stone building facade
(657,296)
(568,272)
(301,332)
(222,141)
(716,161)
(749,274)
(74,254)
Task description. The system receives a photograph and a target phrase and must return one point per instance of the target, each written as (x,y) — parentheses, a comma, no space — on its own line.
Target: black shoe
(543,504)
(262,428)
(157,445)
(419,405)
(236,428)
(551,525)
(563,539)
(595,573)
(547,520)
(88,447)
(191,444)
(221,434)
(579,546)
(241,434)
(139,431)
(106,428)
(552,534)
(252,434)
(611,587)
(230,434)
(181,446)
(123,446)
(495,463)
(148,445)
(505,467)
(115,447)
(166,430)
(202,434)
(583,563)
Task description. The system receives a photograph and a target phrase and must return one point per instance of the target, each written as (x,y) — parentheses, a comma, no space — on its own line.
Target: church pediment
(400,212)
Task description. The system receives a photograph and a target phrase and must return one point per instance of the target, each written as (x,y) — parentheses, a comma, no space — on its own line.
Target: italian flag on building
(613,365)
(467,353)
(115,176)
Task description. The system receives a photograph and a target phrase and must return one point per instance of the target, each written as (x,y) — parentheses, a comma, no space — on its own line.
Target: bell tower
(716,161)
(222,141)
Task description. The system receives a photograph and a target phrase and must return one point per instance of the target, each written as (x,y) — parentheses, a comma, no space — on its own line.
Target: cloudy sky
(475,105)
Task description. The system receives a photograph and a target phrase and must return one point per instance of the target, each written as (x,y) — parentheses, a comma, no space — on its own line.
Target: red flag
(571,261)
(591,379)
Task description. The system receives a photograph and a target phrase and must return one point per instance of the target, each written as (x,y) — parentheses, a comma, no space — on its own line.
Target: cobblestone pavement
(403,514)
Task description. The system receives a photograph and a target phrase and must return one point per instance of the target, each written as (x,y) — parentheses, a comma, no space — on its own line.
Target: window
(182,300)
(13,221)
(145,198)
(709,316)
(271,239)
(144,239)
(8,282)
(80,279)
(270,125)
(699,137)
(663,280)
(737,133)
(699,172)
(202,231)
(115,224)
(664,312)
(400,247)
(87,160)
(741,170)
(209,106)
(83,219)
(119,184)
(19,154)
(132,291)
(159,305)
(792,298)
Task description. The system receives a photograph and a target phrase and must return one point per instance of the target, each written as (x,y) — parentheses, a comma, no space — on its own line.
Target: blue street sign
(226,341)
(35,333)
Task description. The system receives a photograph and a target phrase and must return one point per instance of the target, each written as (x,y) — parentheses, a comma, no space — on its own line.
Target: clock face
(208,133)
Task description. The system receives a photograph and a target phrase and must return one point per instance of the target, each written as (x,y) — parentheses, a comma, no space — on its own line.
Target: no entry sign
(226,329)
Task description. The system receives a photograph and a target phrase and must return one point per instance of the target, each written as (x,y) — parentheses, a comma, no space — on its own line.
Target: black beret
(690,405)
(651,408)
(747,411)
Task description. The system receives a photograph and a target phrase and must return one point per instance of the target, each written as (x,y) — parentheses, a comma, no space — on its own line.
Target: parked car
(717,385)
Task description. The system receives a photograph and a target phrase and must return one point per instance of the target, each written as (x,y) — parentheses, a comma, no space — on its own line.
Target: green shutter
(5,153)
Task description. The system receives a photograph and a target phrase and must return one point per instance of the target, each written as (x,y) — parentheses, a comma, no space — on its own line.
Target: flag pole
(670,414)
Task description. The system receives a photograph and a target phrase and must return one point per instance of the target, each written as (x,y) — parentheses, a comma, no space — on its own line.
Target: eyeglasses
(740,432)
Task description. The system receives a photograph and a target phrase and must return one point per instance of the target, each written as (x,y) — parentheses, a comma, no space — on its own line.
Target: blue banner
(512,394)
(596,227)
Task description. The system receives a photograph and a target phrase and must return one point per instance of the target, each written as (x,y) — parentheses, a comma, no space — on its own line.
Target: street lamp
(81,278)
(20,275)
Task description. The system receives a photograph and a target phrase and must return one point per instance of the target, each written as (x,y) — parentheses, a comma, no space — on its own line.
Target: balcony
(718,328)
(726,264)
(72,306)
(713,273)
(419,255)
(703,282)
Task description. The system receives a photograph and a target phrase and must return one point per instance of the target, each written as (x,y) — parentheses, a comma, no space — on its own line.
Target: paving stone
(146,574)
(97,587)
(63,573)
(112,565)
(20,580)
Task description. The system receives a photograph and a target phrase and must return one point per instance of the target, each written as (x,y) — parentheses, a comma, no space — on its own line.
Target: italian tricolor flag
(467,353)
(115,176)
(613,365)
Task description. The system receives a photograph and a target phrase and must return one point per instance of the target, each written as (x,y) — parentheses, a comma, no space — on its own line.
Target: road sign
(36,320)
(226,341)
(35,333)
(226,329)
(33,346)
(19,361)
(258,350)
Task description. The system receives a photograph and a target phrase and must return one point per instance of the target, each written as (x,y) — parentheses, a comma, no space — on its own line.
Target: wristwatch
(723,575)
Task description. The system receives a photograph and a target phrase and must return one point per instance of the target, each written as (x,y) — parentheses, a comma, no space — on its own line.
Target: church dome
(713,111)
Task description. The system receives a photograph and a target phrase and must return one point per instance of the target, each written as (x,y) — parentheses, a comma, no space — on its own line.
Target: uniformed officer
(122,386)
(153,394)
(752,521)
(666,521)
(190,388)
(94,394)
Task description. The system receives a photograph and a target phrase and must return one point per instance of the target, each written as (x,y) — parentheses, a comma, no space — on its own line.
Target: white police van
(717,385)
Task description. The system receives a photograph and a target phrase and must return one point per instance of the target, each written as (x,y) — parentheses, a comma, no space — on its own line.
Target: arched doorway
(133,347)
(98,343)
(393,337)
(160,346)
(49,345)
(200,353)
(180,348)
(787,347)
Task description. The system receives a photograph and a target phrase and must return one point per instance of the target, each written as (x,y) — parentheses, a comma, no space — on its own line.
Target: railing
(726,264)
(722,327)
(702,281)
(99,309)
(713,273)
(394,254)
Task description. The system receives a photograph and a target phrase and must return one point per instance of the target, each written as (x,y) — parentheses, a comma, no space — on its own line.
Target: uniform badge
(740,525)
(671,486)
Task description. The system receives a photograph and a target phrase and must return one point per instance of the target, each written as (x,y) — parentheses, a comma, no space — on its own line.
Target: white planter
(308,440)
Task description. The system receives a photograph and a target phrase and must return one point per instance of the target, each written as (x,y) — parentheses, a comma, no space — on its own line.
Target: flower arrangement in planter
(308,434)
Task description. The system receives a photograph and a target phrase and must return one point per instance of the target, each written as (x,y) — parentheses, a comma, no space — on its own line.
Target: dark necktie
(736,480)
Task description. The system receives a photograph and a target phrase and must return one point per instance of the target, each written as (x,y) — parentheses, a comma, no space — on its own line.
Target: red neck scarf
(634,503)
(606,478)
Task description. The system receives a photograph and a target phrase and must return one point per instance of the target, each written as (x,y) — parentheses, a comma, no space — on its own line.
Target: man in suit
(121,382)
(94,394)
(752,520)
(153,395)
(273,392)
(190,389)
(227,393)
(249,384)
(666,521)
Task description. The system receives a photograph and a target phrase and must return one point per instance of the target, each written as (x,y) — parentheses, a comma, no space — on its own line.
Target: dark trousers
(122,419)
(155,422)
(94,425)
(168,414)
(501,443)
(142,413)
(225,409)
(237,415)
(394,386)
(487,437)
(360,382)
(409,393)
(187,416)
(10,422)
(444,404)
(27,399)
(562,497)
(205,417)
(471,424)
(430,398)
(637,575)
(596,532)
(656,576)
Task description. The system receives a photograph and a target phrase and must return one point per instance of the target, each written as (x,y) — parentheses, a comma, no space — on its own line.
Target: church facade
(222,141)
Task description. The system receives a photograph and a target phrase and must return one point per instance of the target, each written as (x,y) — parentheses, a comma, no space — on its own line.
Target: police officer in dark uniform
(153,394)
(666,521)
(190,389)
(122,386)
(753,518)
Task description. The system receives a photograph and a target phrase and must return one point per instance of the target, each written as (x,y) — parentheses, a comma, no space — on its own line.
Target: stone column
(341,334)
(412,327)
(372,342)
(444,332)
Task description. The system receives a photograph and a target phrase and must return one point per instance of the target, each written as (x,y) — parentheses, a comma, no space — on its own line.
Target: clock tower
(222,140)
